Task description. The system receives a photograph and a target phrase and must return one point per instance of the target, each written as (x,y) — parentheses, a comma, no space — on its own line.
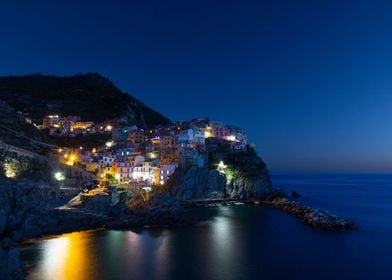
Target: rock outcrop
(198,183)
(20,204)
(243,187)
(10,265)
(244,176)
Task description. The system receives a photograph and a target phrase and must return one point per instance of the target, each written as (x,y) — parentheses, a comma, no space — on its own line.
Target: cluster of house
(151,156)
(72,125)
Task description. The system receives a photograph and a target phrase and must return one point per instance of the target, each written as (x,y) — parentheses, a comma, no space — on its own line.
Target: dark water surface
(242,242)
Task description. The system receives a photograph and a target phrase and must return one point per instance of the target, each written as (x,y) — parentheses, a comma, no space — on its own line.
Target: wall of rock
(253,181)
(198,183)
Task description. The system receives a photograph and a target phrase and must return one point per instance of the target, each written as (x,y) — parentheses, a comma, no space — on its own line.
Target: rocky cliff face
(198,183)
(244,176)
(20,204)
(243,187)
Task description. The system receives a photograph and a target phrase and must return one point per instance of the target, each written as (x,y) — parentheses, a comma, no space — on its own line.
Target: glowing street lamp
(147,190)
(59,176)
(109,144)
(222,167)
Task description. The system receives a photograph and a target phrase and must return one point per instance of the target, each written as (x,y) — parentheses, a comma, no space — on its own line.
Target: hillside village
(136,156)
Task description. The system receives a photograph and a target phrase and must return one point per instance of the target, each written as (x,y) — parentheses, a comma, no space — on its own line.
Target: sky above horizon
(309,80)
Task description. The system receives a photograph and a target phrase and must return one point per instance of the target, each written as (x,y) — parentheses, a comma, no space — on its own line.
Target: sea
(240,242)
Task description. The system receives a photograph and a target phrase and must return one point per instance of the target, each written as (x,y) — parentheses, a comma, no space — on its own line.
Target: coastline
(160,212)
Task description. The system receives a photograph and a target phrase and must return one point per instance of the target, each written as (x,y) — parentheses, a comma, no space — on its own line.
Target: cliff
(241,175)
(197,183)
(91,96)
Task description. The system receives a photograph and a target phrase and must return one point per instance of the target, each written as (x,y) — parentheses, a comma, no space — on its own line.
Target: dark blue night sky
(311,81)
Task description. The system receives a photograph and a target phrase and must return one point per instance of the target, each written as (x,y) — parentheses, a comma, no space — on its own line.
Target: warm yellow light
(117,176)
(207,134)
(94,150)
(9,171)
(60,150)
(65,155)
(109,128)
(71,160)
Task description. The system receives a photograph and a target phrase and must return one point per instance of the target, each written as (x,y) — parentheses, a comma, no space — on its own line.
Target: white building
(192,135)
(143,172)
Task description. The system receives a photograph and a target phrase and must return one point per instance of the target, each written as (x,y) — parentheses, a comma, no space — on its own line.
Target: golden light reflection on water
(68,257)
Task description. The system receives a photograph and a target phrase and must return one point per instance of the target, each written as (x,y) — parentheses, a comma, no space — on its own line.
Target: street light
(222,167)
(147,190)
(109,144)
(59,176)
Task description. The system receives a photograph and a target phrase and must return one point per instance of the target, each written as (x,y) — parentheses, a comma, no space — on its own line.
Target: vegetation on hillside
(244,163)
(91,96)
(15,131)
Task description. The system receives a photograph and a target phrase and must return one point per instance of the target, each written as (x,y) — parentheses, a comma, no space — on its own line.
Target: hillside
(91,96)
(15,131)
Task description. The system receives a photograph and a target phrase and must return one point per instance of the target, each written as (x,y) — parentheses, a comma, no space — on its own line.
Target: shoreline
(168,214)
(308,215)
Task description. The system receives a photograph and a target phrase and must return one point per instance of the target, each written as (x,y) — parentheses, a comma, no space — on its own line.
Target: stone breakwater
(313,217)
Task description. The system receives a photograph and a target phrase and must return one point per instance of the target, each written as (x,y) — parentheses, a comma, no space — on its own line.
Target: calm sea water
(245,242)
